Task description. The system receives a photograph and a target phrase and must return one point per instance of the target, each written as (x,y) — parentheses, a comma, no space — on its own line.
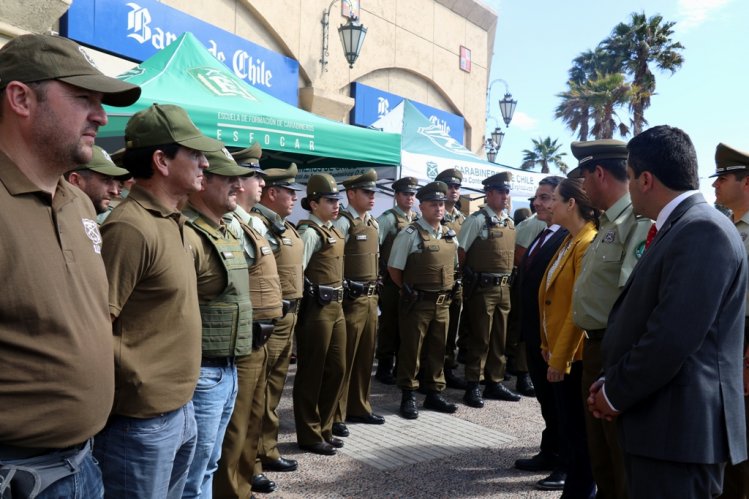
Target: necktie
(651,235)
(539,243)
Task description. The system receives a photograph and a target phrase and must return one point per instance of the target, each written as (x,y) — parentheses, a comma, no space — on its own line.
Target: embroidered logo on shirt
(92,231)
(610,237)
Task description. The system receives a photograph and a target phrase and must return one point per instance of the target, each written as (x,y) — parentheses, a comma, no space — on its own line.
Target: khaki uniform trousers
(423,325)
(321,364)
(487,310)
(606,455)
(388,339)
(239,449)
(279,352)
(361,335)
(453,329)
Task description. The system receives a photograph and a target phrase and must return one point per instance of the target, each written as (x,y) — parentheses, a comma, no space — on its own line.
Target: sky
(536,41)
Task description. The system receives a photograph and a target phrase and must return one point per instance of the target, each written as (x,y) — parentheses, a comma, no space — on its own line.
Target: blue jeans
(85,483)
(147,458)
(214,402)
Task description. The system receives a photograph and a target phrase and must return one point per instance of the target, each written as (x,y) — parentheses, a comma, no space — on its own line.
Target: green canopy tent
(225,107)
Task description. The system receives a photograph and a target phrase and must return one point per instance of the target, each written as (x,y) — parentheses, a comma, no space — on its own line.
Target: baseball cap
(222,163)
(102,163)
(166,124)
(32,58)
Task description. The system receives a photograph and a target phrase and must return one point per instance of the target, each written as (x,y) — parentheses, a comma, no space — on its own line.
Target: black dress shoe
(555,481)
(461,356)
(437,402)
(281,464)
(454,381)
(263,484)
(384,373)
(539,462)
(472,397)
(370,418)
(408,408)
(498,391)
(335,442)
(323,448)
(340,430)
(524,385)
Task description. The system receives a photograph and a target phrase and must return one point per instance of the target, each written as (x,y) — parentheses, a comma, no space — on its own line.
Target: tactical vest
(494,254)
(454,221)
(362,250)
(325,267)
(289,256)
(227,319)
(401,223)
(432,269)
(265,286)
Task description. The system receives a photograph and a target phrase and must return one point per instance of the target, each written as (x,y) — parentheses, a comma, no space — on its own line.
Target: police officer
(391,222)
(453,219)
(732,192)
(225,311)
(99,179)
(276,203)
(321,340)
(239,450)
(605,269)
(486,253)
(360,269)
(422,264)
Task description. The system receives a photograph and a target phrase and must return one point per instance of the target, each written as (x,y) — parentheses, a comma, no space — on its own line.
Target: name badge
(265,250)
(286,241)
(228,255)
(433,248)
(332,240)
(361,237)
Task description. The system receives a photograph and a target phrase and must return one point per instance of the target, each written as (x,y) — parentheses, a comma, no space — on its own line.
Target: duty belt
(595,334)
(292,306)
(487,279)
(324,294)
(217,361)
(355,289)
(437,297)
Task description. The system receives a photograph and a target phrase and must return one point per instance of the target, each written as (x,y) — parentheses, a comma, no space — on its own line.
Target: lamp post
(507,108)
(352,36)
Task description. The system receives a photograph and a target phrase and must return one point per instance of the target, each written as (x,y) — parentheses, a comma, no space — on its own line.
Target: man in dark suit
(673,346)
(530,272)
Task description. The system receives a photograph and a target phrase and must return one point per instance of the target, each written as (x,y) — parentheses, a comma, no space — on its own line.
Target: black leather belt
(355,289)
(595,334)
(437,297)
(14,453)
(487,279)
(216,361)
(294,306)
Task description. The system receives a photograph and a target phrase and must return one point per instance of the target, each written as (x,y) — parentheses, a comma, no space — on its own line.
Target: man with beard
(57,379)
(100,179)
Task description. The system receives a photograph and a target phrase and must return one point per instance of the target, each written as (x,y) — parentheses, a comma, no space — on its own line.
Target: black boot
(524,385)
(408,408)
(472,398)
(498,391)
(437,402)
(452,380)
(384,372)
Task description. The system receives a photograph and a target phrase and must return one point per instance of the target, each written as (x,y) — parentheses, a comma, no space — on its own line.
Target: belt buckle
(504,280)
(441,299)
(371,289)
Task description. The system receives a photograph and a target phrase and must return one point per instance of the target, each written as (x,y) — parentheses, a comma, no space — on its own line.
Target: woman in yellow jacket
(561,339)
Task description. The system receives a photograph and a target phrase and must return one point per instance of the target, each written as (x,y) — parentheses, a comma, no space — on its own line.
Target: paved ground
(466,454)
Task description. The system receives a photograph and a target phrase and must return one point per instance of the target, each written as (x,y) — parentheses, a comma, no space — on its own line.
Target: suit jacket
(559,334)
(673,346)
(528,279)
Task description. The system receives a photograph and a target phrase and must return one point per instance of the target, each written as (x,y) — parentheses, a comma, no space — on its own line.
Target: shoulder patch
(410,229)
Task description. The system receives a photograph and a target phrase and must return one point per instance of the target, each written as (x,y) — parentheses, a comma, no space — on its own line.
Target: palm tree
(544,152)
(606,92)
(637,44)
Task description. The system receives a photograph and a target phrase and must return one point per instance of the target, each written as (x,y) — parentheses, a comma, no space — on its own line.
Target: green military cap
(588,152)
(102,163)
(322,185)
(433,191)
(406,184)
(222,163)
(249,157)
(451,176)
(282,177)
(730,160)
(116,156)
(499,180)
(166,124)
(32,58)
(366,181)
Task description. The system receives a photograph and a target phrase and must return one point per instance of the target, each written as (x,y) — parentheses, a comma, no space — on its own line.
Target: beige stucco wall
(411,49)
